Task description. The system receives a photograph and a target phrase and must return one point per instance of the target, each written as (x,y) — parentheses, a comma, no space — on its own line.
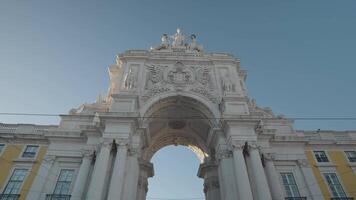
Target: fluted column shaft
(243,182)
(146,171)
(209,172)
(259,177)
(43,175)
(273,180)
(132,176)
(82,177)
(117,179)
(96,189)
(226,176)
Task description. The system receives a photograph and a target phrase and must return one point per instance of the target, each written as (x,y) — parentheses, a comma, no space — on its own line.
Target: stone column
(82,176)
(43,173)
(209,172)
(118,174)
(273,178)
(146,171)
(227,178)
(259,177)
(243,182)
(310,180)
(96,189)
(132,175)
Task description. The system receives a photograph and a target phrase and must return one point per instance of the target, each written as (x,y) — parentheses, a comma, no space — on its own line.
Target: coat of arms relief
(179,77)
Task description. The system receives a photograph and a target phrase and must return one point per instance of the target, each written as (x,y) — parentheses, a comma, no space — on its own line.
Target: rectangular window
(290,185)
(334,185)
(351,155)
(30,151)
(64,181)
(321,156)
(14,184)
(2,147)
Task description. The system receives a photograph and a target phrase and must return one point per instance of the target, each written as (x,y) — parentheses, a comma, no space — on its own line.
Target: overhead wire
(192,117)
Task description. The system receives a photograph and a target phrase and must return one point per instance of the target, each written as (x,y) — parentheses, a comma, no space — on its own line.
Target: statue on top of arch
(177,41)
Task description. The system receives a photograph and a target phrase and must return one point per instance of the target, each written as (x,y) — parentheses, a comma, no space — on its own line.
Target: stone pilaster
(242,179)
(82,176)
(146,171)
(273,178)
(259,177)
(117,180)
(132,174)
(96,189)
(43,174)
(227,178)
(209,172)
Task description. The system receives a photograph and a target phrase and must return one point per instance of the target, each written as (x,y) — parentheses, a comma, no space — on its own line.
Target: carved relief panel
(179,77)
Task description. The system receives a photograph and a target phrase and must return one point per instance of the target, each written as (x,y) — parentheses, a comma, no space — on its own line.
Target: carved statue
(178,39)
(227,84)
(164,40)
(130,80)
(194,45)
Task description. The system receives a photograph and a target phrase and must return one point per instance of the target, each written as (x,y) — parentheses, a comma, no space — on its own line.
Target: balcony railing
(58,197)
(9,196)
(342,198)
(295,198)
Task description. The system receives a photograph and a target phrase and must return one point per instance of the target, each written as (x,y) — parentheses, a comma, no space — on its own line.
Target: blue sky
(299,54)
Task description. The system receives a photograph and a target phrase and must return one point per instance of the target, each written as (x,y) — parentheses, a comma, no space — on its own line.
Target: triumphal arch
(174,94)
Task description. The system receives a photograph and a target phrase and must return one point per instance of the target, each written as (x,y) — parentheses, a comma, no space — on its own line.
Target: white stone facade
(175,94)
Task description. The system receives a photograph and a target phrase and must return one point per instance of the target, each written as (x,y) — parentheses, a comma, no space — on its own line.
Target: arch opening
(175,176)
(178,120)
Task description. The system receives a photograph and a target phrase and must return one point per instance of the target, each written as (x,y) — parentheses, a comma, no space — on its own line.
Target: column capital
(303,163)
(87,153)
(238,145)
(134,151)
(254,146)
(49,159)
(224,153)
(121,143)
(106,144)
(269,156)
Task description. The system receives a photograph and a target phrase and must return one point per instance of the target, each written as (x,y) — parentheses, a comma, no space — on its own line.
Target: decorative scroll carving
(203,91)
(154,75)
(203,76)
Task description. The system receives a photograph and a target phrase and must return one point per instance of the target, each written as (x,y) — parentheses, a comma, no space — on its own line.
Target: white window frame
(291,167)
(10,175)
(295,182)
(3,149)
(24,150)
(347,157)
(339,180)
(71,183)
(326,154)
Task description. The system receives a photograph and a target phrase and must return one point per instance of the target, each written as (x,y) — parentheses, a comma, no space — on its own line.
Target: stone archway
(180,120)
